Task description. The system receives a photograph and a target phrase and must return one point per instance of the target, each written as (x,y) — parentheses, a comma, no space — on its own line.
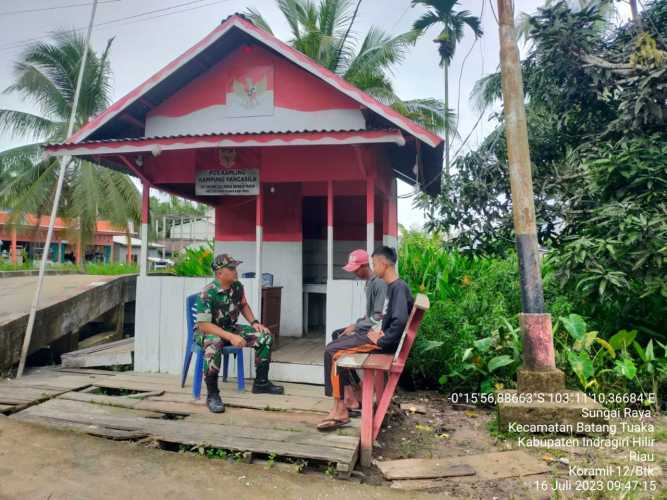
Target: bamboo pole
(64,161)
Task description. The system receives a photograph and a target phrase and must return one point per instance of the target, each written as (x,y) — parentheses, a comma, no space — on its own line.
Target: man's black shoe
(214,403)
(267,388)
(262,384)
(213,400)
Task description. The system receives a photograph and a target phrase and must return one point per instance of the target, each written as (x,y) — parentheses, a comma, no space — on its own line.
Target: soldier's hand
(238,341)
(260,328)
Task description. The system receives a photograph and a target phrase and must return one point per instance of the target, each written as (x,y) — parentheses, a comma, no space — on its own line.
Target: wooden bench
(374,368)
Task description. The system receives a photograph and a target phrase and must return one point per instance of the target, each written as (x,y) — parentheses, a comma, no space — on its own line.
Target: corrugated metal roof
(213,134)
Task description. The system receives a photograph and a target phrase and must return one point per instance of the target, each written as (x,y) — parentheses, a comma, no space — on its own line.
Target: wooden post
(77,254)
(330,221)
(538,353)
(259,223)
(370,215)
(145,206)
(14,247)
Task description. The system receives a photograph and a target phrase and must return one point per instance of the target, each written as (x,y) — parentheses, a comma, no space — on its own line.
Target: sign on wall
(227,182)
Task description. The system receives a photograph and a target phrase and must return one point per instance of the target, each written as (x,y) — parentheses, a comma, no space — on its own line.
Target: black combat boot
(213,400)
(262,384)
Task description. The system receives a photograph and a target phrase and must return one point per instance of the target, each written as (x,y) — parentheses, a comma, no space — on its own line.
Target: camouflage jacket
(220,306)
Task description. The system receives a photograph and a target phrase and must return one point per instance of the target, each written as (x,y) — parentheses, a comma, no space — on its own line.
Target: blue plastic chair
(191,346)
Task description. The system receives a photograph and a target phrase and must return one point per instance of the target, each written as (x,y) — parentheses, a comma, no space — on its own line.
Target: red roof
(239,22)
(126,117)
(103,226)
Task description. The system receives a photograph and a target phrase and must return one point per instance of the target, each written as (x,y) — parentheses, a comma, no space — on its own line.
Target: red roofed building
(29,234)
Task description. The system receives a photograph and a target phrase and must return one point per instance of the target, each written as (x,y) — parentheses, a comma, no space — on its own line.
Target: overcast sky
(145,44)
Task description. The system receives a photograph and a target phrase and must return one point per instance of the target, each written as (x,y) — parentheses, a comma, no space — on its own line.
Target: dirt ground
(40,463)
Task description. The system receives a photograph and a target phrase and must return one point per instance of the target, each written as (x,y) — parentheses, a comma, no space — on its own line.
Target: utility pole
(64,162)
(539,373)
(634,10)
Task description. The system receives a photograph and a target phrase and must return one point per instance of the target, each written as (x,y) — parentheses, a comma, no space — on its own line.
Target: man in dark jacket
(385,338)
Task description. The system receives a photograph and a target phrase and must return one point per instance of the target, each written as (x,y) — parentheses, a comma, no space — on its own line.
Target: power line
(400,17)
(44,9)
(164,11)
(458,103)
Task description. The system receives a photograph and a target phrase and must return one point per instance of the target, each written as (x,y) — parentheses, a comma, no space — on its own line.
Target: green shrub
(195,261)
(472,298)
(110,269)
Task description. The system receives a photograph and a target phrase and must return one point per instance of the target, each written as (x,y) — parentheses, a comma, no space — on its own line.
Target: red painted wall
(235,216)
(294,88)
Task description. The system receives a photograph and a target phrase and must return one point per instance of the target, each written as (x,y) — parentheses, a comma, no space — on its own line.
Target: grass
(94,268)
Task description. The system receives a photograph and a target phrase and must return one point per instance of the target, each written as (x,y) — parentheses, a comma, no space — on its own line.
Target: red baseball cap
(356,259)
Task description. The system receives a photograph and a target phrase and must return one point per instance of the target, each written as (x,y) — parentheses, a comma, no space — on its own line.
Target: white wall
(284,261)
(346,302)
(315,255)
(160,328)
(196,230)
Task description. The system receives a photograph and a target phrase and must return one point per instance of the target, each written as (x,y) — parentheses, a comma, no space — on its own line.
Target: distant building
(190,232)
(26,240)
(120,252)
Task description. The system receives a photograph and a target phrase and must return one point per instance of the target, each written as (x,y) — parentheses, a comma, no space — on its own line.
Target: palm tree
(441,13)
(45,75)
(323,32)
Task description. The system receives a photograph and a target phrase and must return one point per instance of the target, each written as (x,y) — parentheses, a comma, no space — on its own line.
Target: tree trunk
(447,123)
(538,352)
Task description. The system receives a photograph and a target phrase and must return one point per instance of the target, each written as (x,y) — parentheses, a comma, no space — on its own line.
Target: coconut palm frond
(430,113)
(486,91)
(257,19)
(22,124)
(380,51)
(30,189)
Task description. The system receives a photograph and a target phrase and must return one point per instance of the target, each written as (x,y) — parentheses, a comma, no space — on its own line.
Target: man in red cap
(345,383)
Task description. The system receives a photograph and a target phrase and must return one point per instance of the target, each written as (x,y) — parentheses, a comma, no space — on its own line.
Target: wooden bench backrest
(420,307)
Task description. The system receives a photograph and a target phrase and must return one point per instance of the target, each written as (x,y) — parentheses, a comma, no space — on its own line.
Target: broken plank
(87,371)
(423,468)
(98,339)
(93,430)
(488,466)
(123,343)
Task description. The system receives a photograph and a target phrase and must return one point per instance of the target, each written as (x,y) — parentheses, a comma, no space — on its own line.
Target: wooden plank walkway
(261,424)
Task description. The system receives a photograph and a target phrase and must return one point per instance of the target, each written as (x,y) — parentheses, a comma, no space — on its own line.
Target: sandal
(354,412)
(331,424)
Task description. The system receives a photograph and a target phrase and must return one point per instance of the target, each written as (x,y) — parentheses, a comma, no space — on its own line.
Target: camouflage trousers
(212,346)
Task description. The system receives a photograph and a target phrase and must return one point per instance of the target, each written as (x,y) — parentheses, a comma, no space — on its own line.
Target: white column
(259,234)
(370,215)
(330,207)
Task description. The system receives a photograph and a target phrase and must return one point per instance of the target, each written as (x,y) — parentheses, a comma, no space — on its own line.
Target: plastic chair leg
(240,374)
(186,365)
(225,366)
(198,375)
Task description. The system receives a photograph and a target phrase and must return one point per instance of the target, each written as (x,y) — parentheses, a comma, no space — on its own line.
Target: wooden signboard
(227,182)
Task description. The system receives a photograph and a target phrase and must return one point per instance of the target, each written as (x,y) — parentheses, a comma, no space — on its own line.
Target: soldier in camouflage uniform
(218,308)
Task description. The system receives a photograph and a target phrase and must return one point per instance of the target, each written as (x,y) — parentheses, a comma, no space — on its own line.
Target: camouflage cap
(224,260)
